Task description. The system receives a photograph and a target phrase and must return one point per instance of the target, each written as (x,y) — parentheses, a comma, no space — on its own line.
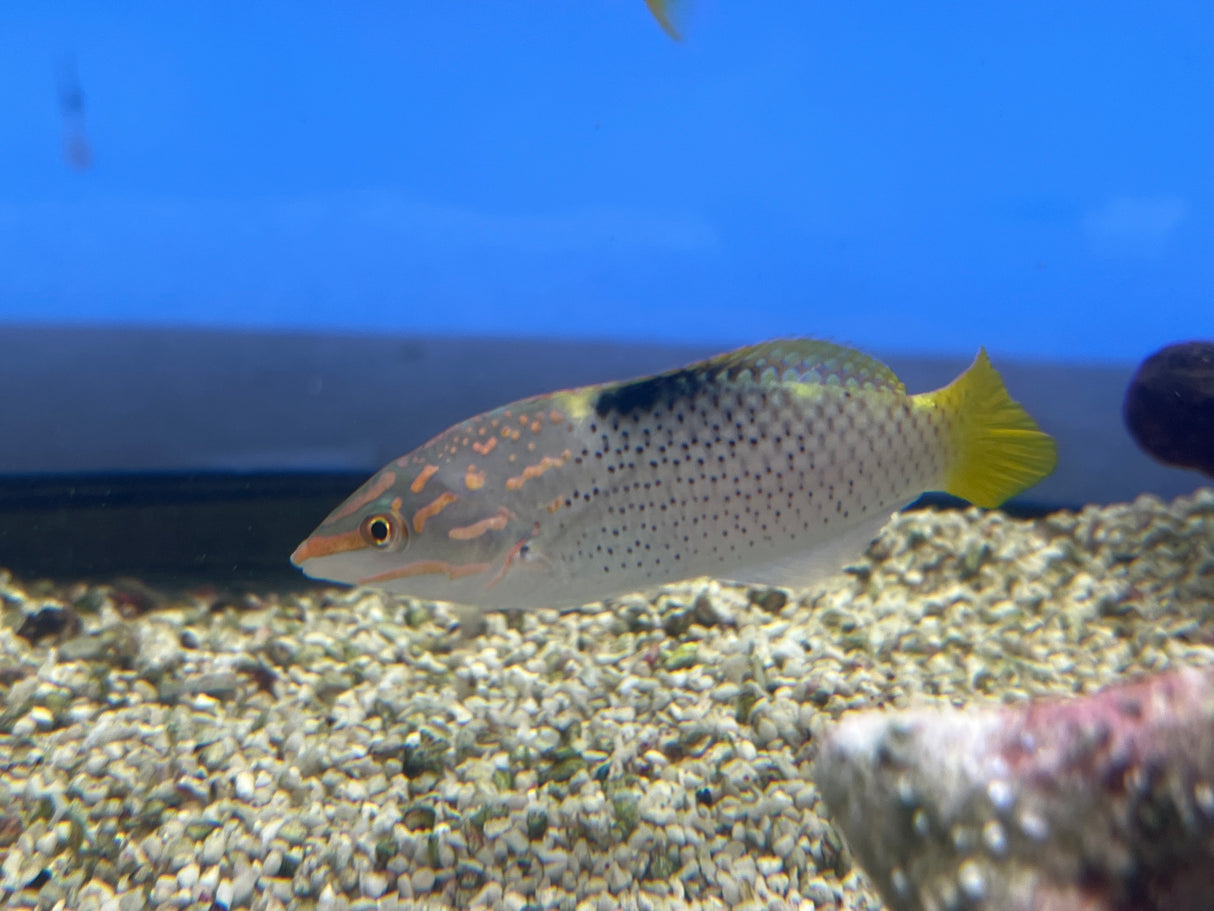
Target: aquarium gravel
(342,749)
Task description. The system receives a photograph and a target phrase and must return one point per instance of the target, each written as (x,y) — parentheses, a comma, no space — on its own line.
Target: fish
(771,465)
(76,147)
(661,10)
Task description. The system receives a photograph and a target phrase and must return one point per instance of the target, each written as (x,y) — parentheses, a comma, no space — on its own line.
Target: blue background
(1037,177)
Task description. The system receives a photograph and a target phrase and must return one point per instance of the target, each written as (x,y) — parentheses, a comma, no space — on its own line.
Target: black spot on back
(645,395)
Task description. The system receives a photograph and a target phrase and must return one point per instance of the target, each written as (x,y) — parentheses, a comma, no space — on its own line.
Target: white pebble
(972,880)
(994,837)
(327,900)
(423,880)
(242,886)
(187,876)
(373,883)
(489,896)
(244,785)
(213,848)
(48,843)
(731,892)
(1033,825)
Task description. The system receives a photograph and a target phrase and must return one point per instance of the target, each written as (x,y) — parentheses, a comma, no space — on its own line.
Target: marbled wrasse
(771,465)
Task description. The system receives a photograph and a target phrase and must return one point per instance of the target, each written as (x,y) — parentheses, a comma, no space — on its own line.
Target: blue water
(1035,177)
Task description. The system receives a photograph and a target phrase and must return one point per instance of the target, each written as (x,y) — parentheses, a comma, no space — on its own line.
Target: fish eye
(379,531)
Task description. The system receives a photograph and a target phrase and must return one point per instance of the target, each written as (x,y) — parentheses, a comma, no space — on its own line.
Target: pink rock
(1092,803)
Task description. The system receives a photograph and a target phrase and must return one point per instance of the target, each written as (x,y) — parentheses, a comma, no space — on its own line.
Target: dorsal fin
(807,360)
(782,361)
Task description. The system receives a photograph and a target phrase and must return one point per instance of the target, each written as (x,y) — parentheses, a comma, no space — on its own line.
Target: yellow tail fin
(999,449)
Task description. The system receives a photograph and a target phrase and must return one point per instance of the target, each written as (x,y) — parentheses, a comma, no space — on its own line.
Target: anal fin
(811,568)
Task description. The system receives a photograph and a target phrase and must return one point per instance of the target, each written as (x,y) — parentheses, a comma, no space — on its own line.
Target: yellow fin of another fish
(999,448)
(661,10)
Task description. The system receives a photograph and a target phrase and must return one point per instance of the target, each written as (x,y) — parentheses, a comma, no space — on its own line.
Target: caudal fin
(999,448)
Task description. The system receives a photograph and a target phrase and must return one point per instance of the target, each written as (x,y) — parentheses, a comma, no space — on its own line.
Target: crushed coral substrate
(344,749)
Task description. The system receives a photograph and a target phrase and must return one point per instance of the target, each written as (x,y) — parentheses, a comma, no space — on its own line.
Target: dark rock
(1102,802)
(1169,406)
(50,620)
(771,600)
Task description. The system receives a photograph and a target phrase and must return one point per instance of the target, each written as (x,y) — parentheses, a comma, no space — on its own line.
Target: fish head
(418,529)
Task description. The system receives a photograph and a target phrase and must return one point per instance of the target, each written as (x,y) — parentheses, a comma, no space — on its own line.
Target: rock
(50,621)
(1169,406)
(1097,803)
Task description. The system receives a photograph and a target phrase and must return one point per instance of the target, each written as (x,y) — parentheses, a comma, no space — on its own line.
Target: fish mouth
(326,546)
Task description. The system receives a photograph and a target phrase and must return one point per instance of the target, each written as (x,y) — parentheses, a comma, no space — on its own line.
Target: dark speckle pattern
(680,476)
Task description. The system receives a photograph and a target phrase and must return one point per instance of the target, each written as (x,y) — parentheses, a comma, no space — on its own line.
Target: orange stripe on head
(327,545)
(385,480)
(485,447)
(427,568)
(432,509)
(494,523)
(425,475)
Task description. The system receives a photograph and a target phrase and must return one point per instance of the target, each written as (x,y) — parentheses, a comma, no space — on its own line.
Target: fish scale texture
(703,484)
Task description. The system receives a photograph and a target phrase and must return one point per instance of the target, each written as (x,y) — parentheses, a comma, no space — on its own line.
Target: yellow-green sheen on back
(772,464)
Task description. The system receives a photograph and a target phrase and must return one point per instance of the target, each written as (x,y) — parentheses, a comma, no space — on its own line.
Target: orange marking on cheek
(385,480)
(486,447)
(555,416)
(495,522)
(473,479)
(522,419)
(428,568)
(432,509)
(537,425)
(425,475)
(556,504)
(534,471)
